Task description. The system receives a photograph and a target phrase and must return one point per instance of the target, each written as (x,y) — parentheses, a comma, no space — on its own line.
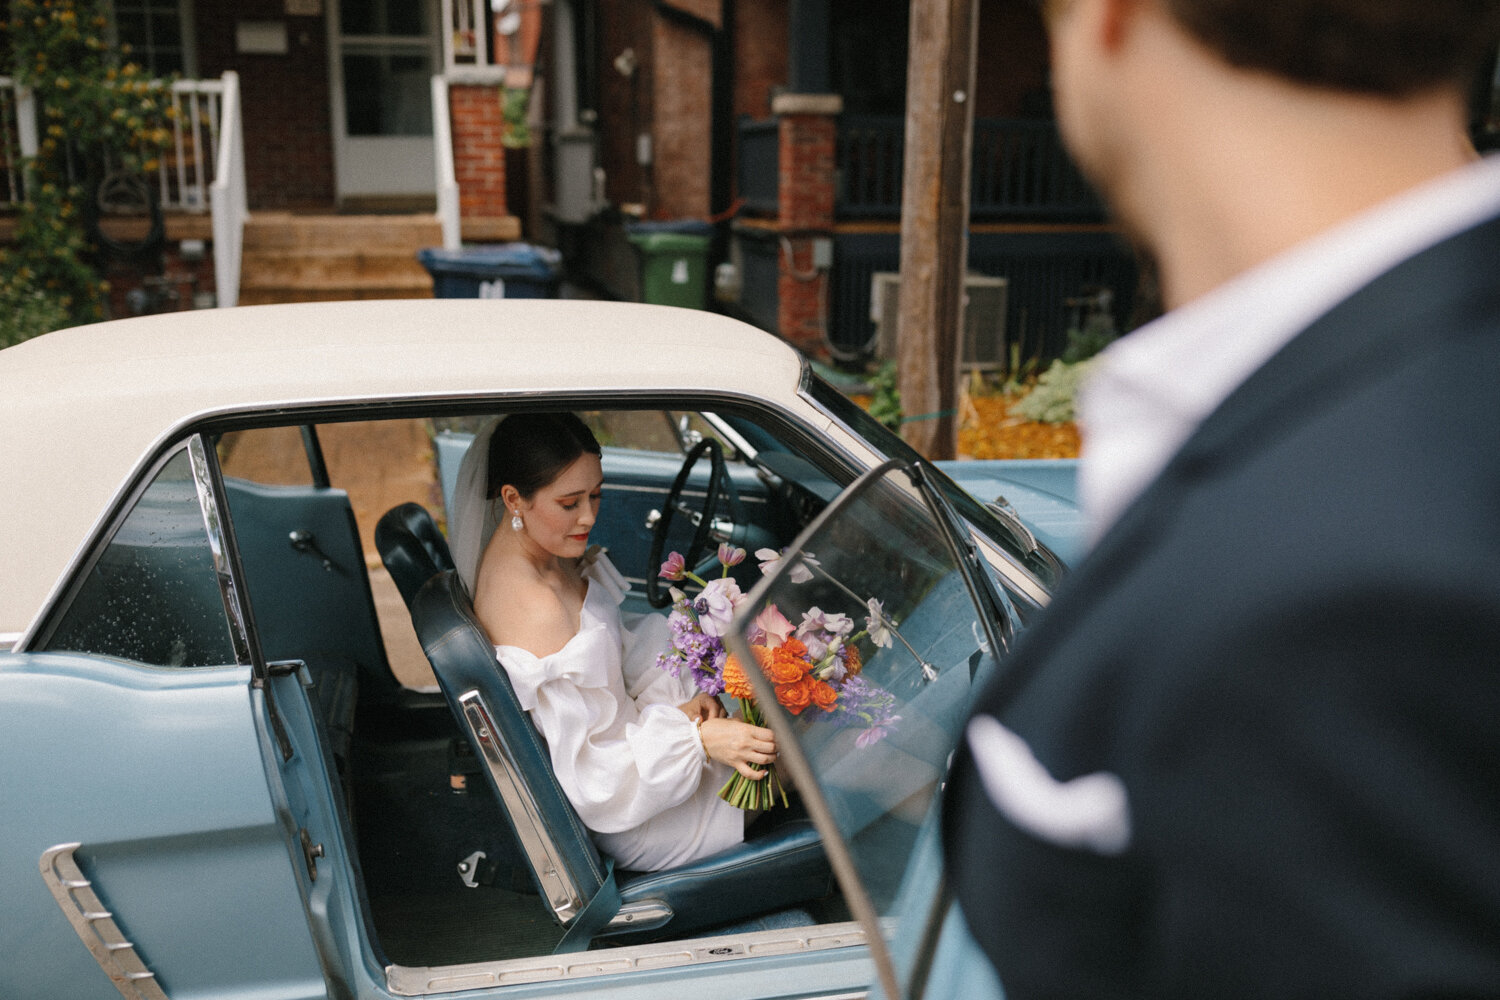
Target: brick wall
(285,99)
(682,154)
(478,155)
(808,133)
(760,55)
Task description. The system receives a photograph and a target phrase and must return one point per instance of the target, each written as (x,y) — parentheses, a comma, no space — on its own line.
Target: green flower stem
(743,793)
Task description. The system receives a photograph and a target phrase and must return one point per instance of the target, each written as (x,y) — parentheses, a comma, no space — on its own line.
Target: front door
(385,53)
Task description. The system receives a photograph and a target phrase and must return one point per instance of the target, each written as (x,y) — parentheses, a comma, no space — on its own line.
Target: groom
(1253,748)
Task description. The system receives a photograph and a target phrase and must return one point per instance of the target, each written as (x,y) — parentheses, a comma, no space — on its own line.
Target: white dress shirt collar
(1152,388)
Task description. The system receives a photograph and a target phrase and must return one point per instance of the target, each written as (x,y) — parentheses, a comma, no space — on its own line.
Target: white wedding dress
(627,758)
(629,761)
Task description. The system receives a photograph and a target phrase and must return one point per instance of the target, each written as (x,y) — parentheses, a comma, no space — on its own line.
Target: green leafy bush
(1051,400)
(885,403)
(94,110)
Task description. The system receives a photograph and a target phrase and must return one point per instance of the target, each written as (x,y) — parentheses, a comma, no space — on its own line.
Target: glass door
(385,53)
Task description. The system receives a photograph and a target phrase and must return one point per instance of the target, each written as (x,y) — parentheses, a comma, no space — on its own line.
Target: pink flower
(770,627)
(730,555)
(674,568)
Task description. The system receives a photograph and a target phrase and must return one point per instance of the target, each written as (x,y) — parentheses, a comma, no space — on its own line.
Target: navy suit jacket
(1288,651)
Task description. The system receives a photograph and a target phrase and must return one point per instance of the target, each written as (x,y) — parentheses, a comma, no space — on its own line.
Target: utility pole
(935,220)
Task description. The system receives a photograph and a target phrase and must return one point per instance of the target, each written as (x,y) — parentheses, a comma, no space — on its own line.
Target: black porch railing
(1019,170)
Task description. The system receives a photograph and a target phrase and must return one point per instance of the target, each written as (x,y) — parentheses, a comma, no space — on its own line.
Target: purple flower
(675,568)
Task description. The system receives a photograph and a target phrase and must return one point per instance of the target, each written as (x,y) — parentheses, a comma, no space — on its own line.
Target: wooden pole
(935,220)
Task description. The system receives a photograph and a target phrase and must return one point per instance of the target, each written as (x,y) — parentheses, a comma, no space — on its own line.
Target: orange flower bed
(990,431)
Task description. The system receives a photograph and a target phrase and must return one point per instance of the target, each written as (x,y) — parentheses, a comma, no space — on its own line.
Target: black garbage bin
(492,271)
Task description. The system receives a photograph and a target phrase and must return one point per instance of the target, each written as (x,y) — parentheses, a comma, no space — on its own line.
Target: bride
(639,753)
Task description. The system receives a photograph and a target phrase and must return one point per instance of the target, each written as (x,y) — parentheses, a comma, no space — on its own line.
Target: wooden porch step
(301,258)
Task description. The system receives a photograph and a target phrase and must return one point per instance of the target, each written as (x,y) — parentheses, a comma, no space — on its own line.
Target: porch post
(478,123)
(808,134)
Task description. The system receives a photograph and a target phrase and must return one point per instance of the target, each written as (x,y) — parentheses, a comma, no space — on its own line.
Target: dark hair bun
(530,450)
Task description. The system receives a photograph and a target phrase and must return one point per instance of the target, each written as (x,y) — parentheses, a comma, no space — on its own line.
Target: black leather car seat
(412,547)
(779,869)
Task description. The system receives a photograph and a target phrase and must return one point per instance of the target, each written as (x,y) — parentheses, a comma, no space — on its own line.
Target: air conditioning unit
(984,318)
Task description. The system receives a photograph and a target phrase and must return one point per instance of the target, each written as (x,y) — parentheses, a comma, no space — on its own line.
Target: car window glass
(153,593)
(874,748)
(1040,565)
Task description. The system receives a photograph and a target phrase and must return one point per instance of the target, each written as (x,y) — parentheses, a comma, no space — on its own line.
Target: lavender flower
(716,604)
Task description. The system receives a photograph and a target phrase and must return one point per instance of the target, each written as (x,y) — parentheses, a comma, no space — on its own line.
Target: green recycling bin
(674,262)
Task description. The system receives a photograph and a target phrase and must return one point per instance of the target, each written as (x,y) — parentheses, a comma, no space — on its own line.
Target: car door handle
(305,541)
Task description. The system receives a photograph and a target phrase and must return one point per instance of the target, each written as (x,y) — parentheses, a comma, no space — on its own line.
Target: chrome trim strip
(641,915)
(416,981)
(541,852)
(218,543)
(95,925)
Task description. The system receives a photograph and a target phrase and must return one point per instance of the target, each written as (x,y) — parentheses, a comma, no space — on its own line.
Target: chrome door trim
(214,518)
(415,981)
(95,926)
(541,851)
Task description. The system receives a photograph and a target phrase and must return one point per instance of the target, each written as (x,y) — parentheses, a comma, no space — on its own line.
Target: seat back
(564,863)
(412,547)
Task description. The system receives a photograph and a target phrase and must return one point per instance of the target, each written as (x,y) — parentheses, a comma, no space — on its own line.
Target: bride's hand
(744,747)
(703,706)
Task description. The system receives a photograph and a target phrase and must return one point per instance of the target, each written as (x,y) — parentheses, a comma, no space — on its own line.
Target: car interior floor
(421,809)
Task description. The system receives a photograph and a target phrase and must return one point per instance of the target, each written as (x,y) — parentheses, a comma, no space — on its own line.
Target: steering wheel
(718,485)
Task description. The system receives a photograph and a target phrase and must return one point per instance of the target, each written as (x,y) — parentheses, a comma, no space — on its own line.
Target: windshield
(1042,564)
(869,645)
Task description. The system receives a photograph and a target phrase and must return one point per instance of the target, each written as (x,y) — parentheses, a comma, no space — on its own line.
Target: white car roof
(81,409)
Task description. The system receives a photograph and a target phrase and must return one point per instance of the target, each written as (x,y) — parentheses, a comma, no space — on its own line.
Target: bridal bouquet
(814,665)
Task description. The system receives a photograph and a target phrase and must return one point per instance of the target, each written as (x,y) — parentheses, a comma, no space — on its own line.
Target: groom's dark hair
(1388,48)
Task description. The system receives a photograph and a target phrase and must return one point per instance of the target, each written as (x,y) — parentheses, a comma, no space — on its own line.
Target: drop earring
(516,524)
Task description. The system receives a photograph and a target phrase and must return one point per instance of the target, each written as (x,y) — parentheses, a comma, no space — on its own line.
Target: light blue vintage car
(220,778)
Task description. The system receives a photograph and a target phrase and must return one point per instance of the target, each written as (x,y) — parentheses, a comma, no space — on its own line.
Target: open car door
(924,626)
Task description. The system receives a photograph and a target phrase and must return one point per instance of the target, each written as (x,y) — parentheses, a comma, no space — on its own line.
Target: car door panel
(301,553)
(186,850)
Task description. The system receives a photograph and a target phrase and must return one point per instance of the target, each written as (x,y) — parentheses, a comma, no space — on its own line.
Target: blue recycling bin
(493,271)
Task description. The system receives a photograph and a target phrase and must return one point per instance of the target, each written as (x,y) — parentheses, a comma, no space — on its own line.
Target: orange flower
(852,663)
(795,697)
(824,695)
(785,663)
(736,684)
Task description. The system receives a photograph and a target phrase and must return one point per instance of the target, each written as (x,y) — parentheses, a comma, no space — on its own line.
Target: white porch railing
(185,170)
(17,138)
(190,164)
(447,177)
(227,194)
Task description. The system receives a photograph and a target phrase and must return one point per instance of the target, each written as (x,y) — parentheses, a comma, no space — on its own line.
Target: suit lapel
(1446,291)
